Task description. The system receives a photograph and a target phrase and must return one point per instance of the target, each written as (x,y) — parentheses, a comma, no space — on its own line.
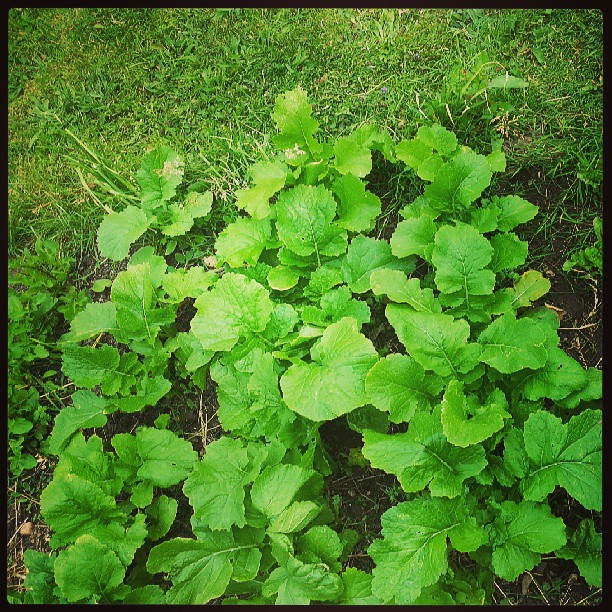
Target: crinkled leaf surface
(584,548)
(215,487)
(436,341)
(520,534)
(242,241)
(433,463)
(161,172)
(297,583)
(460,256)
(334,383)
(413,552)
(357,588)
(514,211)
(366,255)
(554,454)
(413,236)
(87,410)
(400,385)
(268,178)
(351,157)
(403,290)
(187,283)
(304,216)
(96,318)
(508,252)
(459,182)
(134,297)
(510,344)
(292,115)
(464,429)
(235,307)
(73,506)
(357,208)
(88,570)
(200,569)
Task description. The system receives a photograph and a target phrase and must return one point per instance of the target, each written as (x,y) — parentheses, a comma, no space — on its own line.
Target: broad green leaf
(87,410)
(150,392)
(413,552)
(400,385)
(199,204)
(151,594)
(166,458)
(187,283)
(87,570)
(560,376)
(334,383)
(584,548)
(235,307)
(508,252)
(157,264)
(304,216)
(357,588)
(292,115)
(459,182)
(514,211)
(282,278)
(40,579)
(72,506)
(275,488)
(200,569)
(298,583)
(413,152)
(124,542)
(96,318)
(324,278)
(321,544)
(460,256)
(242,241)
(433,463)
(86,459)
(485,219)
(592,390)
(366,255)
(215,487)
(161,172)
(413,237)
(118,231)
(530,287)
(357,208)
(565,455)
(134,297)
(464,428)
(88,367)
(398,288)
(510,344)
(438,138)
(294,518)
(520,534)
(351,157)
(335,305)
(268,178)
(436,341)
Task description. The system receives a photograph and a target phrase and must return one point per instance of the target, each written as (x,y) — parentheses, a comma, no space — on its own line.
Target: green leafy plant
(492,416)
(589,259)
(40,300)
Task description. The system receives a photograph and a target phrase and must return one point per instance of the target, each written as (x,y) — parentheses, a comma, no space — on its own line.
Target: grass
(205,82)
